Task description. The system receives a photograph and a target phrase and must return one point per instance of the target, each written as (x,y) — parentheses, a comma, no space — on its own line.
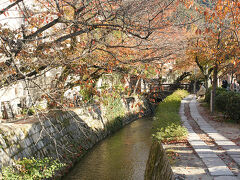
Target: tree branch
(199,65)
(47,26)
(10,6)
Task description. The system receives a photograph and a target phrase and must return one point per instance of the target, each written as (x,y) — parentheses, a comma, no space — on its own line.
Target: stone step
(226,178)
(230,147)
(214,164)
(217,167)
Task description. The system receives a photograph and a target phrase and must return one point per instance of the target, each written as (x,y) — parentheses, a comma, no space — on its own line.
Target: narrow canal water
(122,156)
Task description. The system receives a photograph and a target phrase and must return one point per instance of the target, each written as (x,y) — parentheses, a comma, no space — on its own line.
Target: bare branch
(10,6)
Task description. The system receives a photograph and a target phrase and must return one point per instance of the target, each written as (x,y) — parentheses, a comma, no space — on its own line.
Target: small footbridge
(156,91)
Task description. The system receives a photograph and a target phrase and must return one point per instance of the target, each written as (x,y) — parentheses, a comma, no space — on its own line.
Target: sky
(12,18)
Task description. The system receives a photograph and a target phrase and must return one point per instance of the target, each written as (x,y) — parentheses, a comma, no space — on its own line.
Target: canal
(122,156)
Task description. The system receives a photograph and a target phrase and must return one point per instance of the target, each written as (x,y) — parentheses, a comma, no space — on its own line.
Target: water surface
(122,156)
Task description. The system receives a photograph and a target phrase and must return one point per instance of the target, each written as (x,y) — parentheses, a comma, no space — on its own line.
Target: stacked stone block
(63,135)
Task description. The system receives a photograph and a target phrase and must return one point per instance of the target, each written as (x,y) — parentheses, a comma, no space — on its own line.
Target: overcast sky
(12,18)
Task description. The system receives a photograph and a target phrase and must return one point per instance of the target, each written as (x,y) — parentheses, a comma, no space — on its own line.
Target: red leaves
(71,105)
(41,20)
(59,14)
(213,15)
(205,13)
(5,12)
(207,30)
(198,31)
(175,141)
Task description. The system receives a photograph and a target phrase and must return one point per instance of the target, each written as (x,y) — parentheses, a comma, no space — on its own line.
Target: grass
(167,122)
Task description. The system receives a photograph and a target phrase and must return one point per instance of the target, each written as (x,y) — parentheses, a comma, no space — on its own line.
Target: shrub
(222,99)
(233,107)
(114,124)
(219,90)
(86,92)
(29,111)
(114,106)
(115,110)
(167,122)
(227,102)
(171,132)
(32,169)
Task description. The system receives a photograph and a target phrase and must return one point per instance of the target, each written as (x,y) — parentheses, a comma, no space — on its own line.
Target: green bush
(171,132)
(114,106)
(227,102)
(86,92)
(222,98)
(219,90)
(29,111)
(233,107)
(31,169)
(115,124)
(167,122)
(115,110)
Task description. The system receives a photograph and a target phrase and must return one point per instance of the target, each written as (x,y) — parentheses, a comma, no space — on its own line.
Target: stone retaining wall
(158,166)
(64,135)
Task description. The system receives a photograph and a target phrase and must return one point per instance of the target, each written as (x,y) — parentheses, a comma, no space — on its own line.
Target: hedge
(227,102)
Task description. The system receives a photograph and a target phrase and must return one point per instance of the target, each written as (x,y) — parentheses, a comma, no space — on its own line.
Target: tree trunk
(215,72)
(136,86)
(206,78)
(205,71)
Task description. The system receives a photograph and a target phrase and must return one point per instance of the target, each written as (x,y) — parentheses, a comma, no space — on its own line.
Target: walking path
(217,168)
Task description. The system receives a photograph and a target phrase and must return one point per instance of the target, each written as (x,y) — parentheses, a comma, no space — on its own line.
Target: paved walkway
(215,165)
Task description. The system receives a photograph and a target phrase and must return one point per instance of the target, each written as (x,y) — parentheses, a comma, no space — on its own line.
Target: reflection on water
(122,156)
